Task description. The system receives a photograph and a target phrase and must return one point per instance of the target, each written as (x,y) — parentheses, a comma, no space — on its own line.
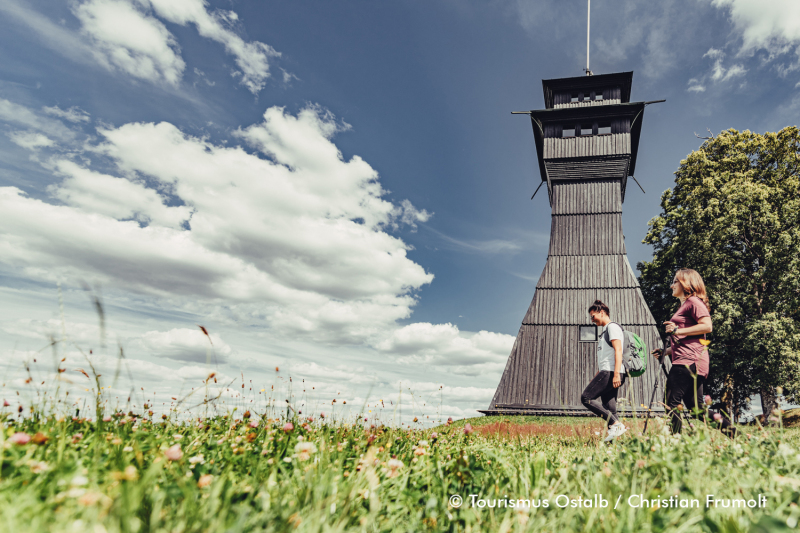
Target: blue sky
(337,189)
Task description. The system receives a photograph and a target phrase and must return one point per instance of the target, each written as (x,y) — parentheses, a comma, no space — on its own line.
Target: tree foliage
(734,216)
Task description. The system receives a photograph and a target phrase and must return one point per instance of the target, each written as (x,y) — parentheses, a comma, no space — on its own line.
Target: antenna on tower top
(588,20)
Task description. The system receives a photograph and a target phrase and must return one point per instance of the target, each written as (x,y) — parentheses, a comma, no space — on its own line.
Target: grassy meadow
(130,472)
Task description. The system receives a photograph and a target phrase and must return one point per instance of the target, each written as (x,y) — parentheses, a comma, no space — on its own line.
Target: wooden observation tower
(586,139)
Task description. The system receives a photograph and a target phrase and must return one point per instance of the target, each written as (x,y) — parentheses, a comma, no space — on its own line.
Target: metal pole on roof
(588,24)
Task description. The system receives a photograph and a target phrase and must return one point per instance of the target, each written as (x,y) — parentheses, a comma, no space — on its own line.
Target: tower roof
(622,80)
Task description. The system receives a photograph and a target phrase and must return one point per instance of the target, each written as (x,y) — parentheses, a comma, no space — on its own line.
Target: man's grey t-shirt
(605,353)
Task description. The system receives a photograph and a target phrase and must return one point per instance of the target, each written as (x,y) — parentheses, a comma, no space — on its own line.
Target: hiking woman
(687,326)
(611,374)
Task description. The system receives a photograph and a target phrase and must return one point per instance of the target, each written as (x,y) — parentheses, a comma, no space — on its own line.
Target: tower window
(587,97)
(587,333)
(604,128)
(574,97)
(568,131)
(598,96)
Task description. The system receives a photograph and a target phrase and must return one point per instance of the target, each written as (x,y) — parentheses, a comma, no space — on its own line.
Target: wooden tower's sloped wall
(587,141)
(549,367)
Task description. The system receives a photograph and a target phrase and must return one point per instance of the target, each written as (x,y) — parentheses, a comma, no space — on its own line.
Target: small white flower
(79,481)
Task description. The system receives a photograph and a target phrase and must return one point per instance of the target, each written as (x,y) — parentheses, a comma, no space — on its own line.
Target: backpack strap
(607,338)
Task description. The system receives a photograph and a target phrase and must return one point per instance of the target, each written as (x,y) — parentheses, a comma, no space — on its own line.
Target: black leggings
(681,388)
(602,386)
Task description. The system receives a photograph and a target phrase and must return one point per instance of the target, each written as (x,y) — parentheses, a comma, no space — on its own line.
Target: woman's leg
(680,385)
(609,398)
(595,389)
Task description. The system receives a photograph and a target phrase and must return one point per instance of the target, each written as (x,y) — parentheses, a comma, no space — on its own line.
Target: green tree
(734,216)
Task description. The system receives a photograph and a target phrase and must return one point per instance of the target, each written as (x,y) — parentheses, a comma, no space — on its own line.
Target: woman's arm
(617,345)
(703,326)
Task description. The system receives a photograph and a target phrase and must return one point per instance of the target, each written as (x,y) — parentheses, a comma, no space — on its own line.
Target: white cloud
(191,345)
(252,58)
(445,345)
(14,113)
(304,234)
(764,25)
(73,114)
(289,241)
(695,86)
(30,140)
(118,198)
(131,40)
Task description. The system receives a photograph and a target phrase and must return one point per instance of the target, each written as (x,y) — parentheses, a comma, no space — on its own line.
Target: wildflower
(304,450)
(707,399)
(79,481)
(640,463)
(127,449)
(287,459)
(288,427)
(717,417)
(434,435)
(76,438)
(177,436)
(423,444)
(394,466)
(322,415)
(204,481)
(197,459)
(39,438)
(419,451)
(130,473)
(116,441)
(449,421)
(5,403)
(468,429)
(253,423)
(174,453)
(20,438)
(107,418)
(38,466)
(607,471)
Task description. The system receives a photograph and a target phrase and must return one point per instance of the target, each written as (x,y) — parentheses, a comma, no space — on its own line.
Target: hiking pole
(655,385)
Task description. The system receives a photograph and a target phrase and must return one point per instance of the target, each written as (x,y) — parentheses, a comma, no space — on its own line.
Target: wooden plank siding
(559,382)
(587,272)
(587,146)
(573,198)
(549,367)
(595,234)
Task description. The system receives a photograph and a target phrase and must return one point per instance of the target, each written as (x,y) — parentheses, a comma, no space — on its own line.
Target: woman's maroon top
(687,349)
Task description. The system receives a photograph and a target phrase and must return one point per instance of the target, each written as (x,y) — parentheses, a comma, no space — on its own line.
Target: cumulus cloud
(129,35)
(770,26)
(297,229)
(131,40)
(252,58)
(282,233)
(445,345)
(115,197)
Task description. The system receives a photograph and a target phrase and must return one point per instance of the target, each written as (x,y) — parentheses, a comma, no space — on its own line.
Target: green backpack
(634,352)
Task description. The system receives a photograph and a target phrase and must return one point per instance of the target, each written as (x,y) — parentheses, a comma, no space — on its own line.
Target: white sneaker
(615,431)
